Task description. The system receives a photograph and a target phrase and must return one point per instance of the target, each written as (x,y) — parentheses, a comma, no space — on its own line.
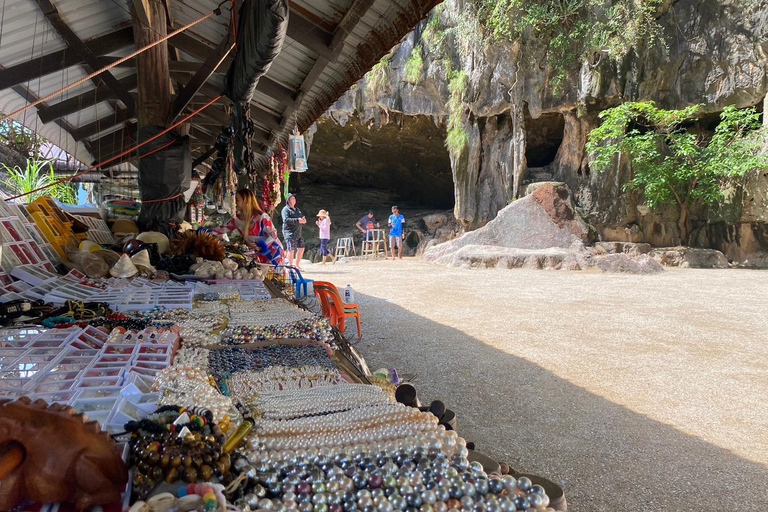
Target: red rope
(157,150)
(233,15)
(107,68)
(161,200)
(126,152)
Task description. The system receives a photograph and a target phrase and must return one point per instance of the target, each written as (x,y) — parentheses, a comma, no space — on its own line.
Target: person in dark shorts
(366,224)
(293,221)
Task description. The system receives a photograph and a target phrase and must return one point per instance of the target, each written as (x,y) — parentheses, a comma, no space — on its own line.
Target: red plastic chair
(337,310)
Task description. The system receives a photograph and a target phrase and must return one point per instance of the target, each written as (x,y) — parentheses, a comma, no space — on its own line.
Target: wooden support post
(149,25)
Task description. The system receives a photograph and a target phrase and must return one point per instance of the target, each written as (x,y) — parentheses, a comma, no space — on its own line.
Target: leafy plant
(672,161)
(38,174)
(414,66)
(376,78)
(563,32)
(456,138)
(20,138)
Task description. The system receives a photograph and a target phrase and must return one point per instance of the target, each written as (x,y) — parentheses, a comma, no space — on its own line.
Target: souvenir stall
(182,377)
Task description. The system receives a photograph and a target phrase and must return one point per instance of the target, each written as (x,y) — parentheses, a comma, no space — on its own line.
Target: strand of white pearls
(448,443)
(339,421)
(321,400)
(262,319)
(187,386)
(277,378)
(192,356)
(359,435)
(252,306)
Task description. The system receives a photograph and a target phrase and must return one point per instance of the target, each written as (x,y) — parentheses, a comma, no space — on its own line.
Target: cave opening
(544,135)
(404,160)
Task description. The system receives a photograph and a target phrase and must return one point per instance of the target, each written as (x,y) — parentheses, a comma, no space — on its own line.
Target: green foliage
(672,161)
(414,66)
(376,78)
(434,34)
(564,32)
(456,138)
(20,138)
(37,174)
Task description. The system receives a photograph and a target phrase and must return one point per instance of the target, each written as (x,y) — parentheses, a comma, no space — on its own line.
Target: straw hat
(141,260)
(322,213)
(155,237)
(125,227)
(124,268)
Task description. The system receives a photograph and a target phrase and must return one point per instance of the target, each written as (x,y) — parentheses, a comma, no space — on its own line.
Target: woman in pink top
(324,223)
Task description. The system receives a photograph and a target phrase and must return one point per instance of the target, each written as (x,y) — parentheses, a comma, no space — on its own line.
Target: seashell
(161,502)
(189,502)
(155,237)
(141,260)
(228,274)
(138,507)
(124,268)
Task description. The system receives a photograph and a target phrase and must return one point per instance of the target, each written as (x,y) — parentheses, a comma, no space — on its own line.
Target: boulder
(689,257)
(436,221)
(485,256)
(545,219)
(624,264)
(630,248)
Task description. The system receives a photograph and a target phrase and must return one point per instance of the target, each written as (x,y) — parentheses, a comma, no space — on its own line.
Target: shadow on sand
(607,457)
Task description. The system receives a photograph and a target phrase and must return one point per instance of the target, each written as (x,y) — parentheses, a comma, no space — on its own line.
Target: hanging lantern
(298,160)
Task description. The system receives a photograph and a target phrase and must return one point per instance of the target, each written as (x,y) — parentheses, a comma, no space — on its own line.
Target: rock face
(543,220)
(624,264)
(405,156)
(688,257)
(523,131)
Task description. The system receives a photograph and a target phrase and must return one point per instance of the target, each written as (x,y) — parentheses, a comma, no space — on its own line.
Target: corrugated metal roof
(26,35)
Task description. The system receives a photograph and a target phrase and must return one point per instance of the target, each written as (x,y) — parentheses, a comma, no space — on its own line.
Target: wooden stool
(374,243)
(345,246)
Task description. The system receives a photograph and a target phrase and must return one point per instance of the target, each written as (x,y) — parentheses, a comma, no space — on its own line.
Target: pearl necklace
(320,400)
(277,378)
(187,386)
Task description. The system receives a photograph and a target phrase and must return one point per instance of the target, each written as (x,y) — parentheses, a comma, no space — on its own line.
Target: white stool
(345,247)
(374,243)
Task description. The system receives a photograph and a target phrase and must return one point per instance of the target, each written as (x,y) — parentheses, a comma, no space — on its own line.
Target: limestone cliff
(522,127)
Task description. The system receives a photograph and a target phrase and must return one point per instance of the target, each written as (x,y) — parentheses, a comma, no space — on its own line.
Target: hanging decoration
(217,182)
(275,176)
(298,152)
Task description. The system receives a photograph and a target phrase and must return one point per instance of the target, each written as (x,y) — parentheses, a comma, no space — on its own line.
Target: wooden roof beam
(106,122)
(349,22)
(84,100)
(62,59)
(205,156)
(202,51)
(89,58)
(204,72)
(310,35)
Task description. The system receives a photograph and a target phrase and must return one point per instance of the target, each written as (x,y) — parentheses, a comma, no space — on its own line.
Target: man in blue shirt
(396,236)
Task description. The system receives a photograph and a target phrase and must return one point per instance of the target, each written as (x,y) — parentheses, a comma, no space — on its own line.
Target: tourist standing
(367,224)
(324,223)
(293,221)
(396,236)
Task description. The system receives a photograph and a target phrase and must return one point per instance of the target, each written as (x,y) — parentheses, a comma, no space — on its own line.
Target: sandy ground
(634,392)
